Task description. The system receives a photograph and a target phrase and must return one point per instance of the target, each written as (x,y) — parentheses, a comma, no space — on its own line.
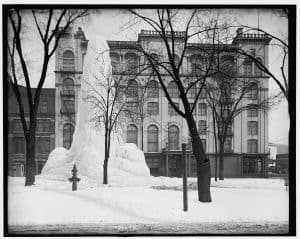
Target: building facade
(45,131)
(162,132)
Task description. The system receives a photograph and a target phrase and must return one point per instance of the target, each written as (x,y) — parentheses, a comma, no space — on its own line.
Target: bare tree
(50,25)
(225,94)
(163,23)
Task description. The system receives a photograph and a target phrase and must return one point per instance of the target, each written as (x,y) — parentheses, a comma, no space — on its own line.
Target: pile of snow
(126,165)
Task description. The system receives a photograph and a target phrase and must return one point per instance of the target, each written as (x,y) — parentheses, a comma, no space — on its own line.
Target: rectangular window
(132,107)
(18,125)
(42,145)
(171,111)
(43,107)
(252,146)
(252,112)
(252,127)
(152,108)
(39,126)
(202,109)
(19,145)
(202,128)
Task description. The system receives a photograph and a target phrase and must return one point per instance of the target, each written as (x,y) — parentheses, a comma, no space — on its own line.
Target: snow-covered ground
(234,200)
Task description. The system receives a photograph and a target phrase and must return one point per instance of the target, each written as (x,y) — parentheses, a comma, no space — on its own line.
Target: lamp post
(184,178)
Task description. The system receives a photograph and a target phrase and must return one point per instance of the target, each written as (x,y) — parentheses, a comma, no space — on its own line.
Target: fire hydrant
(74,178)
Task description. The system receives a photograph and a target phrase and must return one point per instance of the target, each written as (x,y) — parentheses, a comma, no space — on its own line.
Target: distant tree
(50,25)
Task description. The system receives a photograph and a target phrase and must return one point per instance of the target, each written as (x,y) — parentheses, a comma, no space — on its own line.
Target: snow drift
(127,164)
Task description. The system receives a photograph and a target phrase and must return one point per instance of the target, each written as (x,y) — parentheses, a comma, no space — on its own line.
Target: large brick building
(45,131)
(162,132)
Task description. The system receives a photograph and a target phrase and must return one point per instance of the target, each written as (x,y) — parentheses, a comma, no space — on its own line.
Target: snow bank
(127,164)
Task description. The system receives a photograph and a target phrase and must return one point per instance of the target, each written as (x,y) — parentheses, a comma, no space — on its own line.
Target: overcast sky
(107,23)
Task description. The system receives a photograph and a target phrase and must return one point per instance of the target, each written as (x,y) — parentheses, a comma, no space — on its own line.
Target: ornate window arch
(173,90)
(68,60)
(68,130)
(132,134)
(132,88)
(153,89)
(173,137)
(152,138)
(131,60)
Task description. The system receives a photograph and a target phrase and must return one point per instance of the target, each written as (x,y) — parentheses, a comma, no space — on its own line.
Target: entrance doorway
(253,167)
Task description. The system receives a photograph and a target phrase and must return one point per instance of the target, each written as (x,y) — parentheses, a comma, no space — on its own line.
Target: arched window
(258,71)
(152,89)
(115,62)
(173,137)
(152,136)
(132,134)
(68,60)
(253,91)
(132,88)
(173,90)
(196,64)
(227,65)
(247,67)
(192,90)
(68,131)
(131,63)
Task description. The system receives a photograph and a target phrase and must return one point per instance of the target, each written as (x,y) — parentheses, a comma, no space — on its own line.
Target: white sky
(107,24)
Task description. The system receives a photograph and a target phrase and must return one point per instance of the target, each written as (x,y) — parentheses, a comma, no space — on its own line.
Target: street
(132,228)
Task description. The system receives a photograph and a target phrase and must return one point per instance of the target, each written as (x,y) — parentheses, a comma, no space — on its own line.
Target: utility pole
(184,179)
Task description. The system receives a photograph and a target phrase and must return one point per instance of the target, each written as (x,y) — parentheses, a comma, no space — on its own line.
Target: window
(68,131)
(68,60)
(43,125)
(228,145)
(252,146)
(202,128)
(252,128)
(132,134)
(258,71)
(42,145)
(192,91)
(195,109)
(171,111)
(131,63)
(227,65)
(132,107)
(132,88)
(196,64)
(43,107)
(152,136)
(253,91)
(173,90)
(247,67)
(152,89)
(252,166)
(173,137)
(68,105)
(18,125)
(115,62)
(252,112)
(202,109)
(68,86)
(152,108)
(19,145)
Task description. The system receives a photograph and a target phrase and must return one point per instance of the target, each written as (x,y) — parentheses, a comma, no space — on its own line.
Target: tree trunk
(30,166)
(221,165)
(216,150)
(202,163)
(105,164)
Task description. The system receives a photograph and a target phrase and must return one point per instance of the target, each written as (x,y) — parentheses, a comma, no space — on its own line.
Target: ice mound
(126,165)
